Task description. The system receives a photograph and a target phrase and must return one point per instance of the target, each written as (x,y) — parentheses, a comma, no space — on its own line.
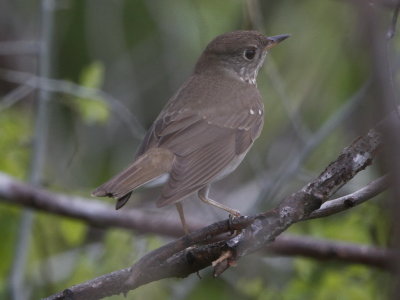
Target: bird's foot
(234,214)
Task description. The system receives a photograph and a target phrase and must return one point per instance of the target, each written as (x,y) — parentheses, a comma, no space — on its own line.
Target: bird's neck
(241,74)
(237,72)
(246,76)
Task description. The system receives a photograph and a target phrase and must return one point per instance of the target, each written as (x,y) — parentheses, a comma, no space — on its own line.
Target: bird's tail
(148,166)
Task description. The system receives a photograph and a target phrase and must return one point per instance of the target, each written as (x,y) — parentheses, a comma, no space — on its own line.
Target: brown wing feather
(203,151)
(166,127)
(190,173)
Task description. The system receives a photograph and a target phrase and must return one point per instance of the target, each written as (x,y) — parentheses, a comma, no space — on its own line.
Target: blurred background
(81,81)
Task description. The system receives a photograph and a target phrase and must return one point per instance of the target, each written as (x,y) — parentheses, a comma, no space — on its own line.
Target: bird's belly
(231,167)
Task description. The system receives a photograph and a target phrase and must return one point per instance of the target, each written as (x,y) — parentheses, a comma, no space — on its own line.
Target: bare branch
(14,96)
(291,245)
(343,203)
(332,250)
(94,212)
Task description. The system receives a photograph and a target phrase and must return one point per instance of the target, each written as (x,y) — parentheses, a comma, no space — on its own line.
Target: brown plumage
(206,128)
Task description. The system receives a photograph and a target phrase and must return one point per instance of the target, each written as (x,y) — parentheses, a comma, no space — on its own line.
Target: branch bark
(324,250)
(332,250)
(93,212)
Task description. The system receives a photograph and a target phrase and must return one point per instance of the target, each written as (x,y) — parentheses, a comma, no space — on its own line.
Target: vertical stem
(18,289)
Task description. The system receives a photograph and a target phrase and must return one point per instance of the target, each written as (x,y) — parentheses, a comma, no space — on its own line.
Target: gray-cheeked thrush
(206,128)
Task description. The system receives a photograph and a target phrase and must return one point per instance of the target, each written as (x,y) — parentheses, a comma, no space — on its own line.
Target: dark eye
(249,53)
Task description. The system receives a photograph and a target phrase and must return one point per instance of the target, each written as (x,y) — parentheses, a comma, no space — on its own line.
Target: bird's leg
(203,195)
(179,207)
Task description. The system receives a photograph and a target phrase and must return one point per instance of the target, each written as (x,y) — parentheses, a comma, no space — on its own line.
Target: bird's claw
(232,216)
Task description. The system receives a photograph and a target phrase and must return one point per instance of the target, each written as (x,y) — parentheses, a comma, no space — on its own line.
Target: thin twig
(343,203)
(15,96)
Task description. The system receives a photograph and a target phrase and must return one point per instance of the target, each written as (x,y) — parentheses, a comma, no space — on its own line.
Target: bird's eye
(249,53)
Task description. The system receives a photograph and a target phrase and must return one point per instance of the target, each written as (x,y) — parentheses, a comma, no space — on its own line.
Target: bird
(205,130)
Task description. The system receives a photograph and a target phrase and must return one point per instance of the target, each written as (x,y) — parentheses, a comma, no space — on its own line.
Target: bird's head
(240,52)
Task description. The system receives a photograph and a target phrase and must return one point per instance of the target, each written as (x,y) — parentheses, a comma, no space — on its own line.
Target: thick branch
(177,265)
(332,250)
(94,212)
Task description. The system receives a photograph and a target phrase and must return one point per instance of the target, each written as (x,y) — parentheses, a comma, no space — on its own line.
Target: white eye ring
(249,54)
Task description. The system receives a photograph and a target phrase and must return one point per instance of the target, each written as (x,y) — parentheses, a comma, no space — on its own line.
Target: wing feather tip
(98,193)
(122,201)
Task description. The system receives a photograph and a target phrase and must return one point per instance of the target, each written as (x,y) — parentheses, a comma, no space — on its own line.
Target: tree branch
(343,203)
(329,250)
(101,286)
(94,212)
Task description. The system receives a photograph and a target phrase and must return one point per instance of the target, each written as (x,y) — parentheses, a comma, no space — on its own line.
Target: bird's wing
(185,131)
(168,125)
(203,150)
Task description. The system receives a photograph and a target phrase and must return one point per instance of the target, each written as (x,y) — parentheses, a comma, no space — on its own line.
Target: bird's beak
(275,40)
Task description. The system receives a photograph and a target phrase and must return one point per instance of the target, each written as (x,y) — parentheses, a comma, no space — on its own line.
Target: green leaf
(73,231)
(14,140)
(92,110)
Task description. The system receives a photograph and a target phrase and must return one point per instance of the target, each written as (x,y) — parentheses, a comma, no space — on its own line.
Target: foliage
(93,110)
